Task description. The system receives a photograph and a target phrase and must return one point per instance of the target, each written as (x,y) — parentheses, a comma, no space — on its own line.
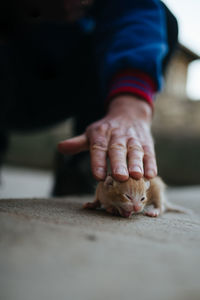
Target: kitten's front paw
(152,212)
(113,211)
(92,205)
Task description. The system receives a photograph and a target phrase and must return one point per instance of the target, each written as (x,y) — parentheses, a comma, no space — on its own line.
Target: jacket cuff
(132,82)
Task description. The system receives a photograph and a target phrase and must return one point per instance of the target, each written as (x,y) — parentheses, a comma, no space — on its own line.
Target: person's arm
(130,48)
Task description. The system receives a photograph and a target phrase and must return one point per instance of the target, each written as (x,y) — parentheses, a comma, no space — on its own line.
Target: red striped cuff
(132,82)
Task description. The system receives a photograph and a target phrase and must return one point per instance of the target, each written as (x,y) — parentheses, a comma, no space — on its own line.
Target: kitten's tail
(170,207)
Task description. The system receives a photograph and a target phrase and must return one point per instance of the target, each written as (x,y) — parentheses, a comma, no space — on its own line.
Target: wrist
(132,82)
(130,106)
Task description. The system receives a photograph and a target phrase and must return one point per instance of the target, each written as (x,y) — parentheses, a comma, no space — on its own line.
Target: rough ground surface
(52,249)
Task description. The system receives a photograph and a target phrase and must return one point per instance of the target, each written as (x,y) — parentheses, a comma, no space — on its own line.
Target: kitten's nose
(136,208)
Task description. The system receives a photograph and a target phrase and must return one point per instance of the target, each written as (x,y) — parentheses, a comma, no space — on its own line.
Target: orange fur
(132,196)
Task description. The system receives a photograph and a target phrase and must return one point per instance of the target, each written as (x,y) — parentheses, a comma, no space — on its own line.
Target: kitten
(133,196)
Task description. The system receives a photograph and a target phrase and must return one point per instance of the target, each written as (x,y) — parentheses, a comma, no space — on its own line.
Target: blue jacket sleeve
(130,46)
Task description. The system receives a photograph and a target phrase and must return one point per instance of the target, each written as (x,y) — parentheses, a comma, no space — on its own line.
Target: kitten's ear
(147,184)
(109,181)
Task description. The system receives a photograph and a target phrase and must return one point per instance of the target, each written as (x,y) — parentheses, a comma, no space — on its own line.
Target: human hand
(124,135)
(75,9)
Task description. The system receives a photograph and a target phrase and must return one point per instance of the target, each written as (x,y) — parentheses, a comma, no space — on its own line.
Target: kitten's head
(126,198)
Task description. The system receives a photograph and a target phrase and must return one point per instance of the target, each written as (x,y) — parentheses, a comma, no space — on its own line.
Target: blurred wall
(176,125)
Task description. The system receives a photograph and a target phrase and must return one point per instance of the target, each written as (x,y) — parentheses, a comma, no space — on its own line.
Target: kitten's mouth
(125,213)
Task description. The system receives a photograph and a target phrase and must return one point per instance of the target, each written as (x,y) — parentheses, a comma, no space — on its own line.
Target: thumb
(74,145)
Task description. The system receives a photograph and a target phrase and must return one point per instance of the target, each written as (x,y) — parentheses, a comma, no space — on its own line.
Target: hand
(124,135)
(75,9)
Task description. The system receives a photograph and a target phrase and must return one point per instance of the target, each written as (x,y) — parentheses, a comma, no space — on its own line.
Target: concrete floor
(53,249)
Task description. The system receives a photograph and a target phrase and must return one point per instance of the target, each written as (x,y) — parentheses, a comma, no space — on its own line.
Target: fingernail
(135,169)
(151,173)
(100,172)
(121,171)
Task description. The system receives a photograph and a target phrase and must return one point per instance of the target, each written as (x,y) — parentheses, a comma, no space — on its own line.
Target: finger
(74,145)
(135,158)
(117,154)
(149,160)
(98,154)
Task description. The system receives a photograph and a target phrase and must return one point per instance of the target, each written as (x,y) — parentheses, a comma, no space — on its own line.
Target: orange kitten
(132,196)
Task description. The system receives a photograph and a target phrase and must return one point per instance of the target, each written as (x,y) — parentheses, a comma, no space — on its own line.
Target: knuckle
(132,141)
(98,128)
(116,132)
(134,146)
(131,132)
(117,146)
(149,155)
(100,144)
(103,128)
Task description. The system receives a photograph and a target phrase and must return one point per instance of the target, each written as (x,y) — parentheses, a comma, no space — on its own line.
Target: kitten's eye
(142,199)
(127,196)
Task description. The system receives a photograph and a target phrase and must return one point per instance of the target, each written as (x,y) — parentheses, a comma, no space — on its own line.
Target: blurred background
(176,126)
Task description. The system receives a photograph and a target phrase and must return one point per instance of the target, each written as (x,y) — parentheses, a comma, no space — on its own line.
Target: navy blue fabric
(130,34)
